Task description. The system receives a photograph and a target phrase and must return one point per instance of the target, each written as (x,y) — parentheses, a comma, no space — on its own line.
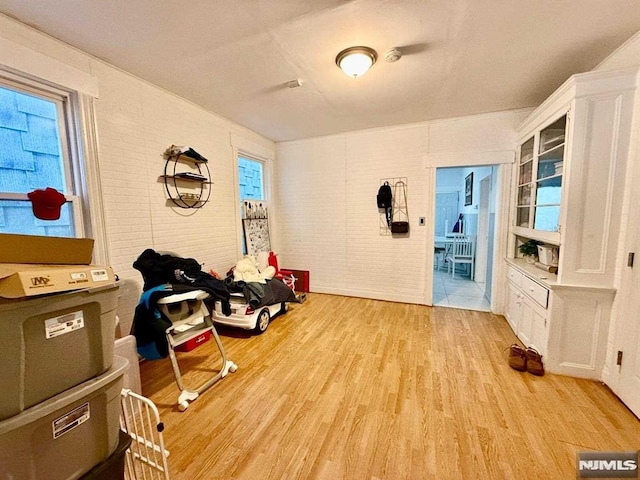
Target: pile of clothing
(258,284)
(168,274)
(164,275)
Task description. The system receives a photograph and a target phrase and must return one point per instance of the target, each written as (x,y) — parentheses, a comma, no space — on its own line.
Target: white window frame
(242,147)
(78,143)
(266,190)
(264,164)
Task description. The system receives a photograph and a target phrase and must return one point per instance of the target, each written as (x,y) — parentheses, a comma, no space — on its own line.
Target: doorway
(464,212)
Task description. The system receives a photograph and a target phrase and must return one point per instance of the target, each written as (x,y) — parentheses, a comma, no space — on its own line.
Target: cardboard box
(45,250)
(26,280)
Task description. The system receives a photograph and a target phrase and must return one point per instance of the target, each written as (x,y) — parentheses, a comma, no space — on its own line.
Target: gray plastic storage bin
(66,436)
(51,343)
(113,467)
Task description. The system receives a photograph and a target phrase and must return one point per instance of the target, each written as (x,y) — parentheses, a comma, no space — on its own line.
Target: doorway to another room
(463,230)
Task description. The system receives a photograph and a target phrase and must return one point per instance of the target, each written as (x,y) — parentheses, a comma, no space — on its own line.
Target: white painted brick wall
(136,122)
(328,220)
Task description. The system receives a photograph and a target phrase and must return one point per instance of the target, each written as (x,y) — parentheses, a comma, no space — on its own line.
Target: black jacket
(158,269)
(167,275)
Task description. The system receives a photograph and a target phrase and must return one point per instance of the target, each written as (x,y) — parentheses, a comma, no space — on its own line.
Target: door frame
(502,183)
(482,240)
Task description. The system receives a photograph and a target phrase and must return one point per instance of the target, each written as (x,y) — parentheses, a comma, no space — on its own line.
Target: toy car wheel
(283,308)
(263,321)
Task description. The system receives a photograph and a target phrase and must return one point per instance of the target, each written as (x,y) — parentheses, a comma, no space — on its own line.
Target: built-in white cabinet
(526,309)
(567,179)
(512,310)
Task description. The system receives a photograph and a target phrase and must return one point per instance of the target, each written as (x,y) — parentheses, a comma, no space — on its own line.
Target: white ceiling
(234,57)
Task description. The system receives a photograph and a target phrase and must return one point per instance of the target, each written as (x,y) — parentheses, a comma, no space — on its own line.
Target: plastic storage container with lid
(51,343)
(66,436)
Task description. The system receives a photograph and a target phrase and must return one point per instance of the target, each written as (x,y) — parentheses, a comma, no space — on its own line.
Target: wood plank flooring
(348,388)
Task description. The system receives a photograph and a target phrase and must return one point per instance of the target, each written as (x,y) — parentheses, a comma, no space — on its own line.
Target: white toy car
(244,316)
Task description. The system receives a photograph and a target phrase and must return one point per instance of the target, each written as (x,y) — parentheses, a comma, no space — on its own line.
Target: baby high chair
(191,324)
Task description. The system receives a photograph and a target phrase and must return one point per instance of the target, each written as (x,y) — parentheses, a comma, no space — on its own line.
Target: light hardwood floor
(348,388)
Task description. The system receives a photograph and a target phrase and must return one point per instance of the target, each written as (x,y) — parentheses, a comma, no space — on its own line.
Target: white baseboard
(373,295)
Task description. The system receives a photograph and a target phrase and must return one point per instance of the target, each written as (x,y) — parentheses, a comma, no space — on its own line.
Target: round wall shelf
(187,187)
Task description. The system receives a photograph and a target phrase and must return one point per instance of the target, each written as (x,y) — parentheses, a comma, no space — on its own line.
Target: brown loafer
(534,362)
(517,358)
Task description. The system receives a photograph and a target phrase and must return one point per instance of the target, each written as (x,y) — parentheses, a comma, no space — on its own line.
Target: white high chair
(190,320)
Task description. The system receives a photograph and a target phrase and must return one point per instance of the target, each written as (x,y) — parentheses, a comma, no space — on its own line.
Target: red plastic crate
(302,278)
(194,342)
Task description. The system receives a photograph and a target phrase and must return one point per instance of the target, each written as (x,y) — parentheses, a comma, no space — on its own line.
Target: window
(250,179)
(251,185)
(35,155)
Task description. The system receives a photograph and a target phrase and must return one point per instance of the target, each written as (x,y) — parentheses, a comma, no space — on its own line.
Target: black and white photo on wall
(468,189)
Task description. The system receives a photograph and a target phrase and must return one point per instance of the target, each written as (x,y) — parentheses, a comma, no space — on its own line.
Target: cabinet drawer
(536,291)
(515,276)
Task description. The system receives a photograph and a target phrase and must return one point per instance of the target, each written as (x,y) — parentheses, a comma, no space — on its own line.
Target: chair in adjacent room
(438,257)
(463,251)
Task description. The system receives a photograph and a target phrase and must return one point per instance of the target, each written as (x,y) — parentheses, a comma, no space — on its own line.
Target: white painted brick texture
(136,123)
(329,220)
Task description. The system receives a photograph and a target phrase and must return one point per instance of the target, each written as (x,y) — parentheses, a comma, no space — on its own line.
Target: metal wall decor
(186,177)
(399,205)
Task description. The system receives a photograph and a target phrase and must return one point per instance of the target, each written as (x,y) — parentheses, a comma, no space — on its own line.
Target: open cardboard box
(33,265)
(45,250)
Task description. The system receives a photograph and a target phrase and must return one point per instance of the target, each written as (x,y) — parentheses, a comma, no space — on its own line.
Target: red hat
(46,203)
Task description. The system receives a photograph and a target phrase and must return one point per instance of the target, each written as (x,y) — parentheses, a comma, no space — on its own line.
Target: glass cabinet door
(525,184)
(549,176)
(539,182)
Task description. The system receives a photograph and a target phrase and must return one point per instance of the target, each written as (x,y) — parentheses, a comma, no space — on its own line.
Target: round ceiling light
(355,61)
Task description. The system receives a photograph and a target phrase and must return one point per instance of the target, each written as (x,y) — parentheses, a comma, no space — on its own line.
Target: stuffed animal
(247,270)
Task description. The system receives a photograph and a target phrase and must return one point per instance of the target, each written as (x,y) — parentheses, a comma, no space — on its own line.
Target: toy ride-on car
(246,317)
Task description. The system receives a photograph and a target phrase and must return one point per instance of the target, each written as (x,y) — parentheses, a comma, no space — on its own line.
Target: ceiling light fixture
(355,61)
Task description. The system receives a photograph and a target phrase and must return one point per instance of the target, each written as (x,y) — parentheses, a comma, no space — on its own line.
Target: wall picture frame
(468,189)
(256,235)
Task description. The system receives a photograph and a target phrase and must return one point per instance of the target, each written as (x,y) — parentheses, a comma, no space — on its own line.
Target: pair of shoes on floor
(525,360)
